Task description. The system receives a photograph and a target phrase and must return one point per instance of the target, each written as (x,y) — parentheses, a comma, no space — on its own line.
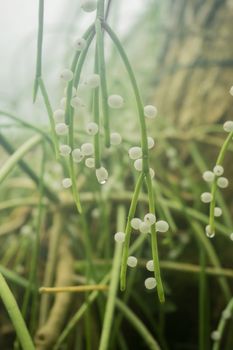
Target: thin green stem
(15,315)
(39,48)
(222,324)
(50,115)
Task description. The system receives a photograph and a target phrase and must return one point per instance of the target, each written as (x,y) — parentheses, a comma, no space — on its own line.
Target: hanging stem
(39,48)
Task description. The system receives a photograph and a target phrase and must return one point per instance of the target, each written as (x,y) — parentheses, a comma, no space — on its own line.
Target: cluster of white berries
(135,153)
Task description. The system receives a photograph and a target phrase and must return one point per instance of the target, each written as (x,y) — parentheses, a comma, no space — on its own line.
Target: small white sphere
(77,155)
(218,170)
(150,283)
(59,115)
(217,211)
(206,197)
(231,236)
(162,226)
(79,44)
(119,237)
(150,265)
(93,81)
(150,111)
(63,102)
(135,223)
(150,142)
(144,227)
(228,126)
(209,232)
(208,176)
(66,183)
(149,219)
(61,129)
(138,164)
(66,75)
(115,139)
(102,175)
(76,102)
(92,128)
(215,335)
(152,173)
(231,91)
(88,5)
(90,162)
(87,149)
(132,261)
(65,150)
(226,314)
(222,182)
(115,101)
(135,152)
(74,91)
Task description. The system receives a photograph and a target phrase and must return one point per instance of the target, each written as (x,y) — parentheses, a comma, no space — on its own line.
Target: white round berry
(132,261)
(206,197)
(77,155)
(150,111)
(222,182)
(102,175)
(119,237)
(90,162)
(135,152)
(87,149)
(150,283)
(228,126)
(61,129)
(152,173)
(66,183)
(79,44)
(217,211)
(76,102)
(218,170)
(59,115)
(66,75)
(208,176)
(115,139)
(150,265)
(144,227)
(64,150)
(88,5)
(150,142)
(226,314)
(231,91)
(162,226)
(209,233)
(93,81)
(115,101)
(138,164)
(149,219)
(135,223)
(92,128)
(215,335)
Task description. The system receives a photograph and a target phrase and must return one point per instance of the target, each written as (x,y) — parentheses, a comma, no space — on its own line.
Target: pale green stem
(39,47)
(222,324)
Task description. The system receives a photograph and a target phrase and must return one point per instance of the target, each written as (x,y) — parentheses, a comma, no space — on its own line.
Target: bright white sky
(18,28)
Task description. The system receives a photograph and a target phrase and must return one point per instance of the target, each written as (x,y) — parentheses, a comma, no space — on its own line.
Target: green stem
(50,115)
(39,48)
(15,315)
(222,324)
(112,293)
(96,117)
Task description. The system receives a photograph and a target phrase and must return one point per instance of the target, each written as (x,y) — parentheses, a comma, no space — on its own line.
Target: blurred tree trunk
(195,62)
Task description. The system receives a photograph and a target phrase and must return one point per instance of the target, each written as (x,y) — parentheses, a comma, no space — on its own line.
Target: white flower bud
(209,232)
(59,115)
(76,102)
(119,237)
(226,314)
(206,197)
(217,211)
(162,226)
(150,111)
(92,128)
(90,162)
(93,81)
(66,75)
(138,164)
(79,44)
(135,223)
(150,142)
(150,265)
(61,129)
(144,227)
(132,261)
(208,176)
(115,101)
(135,152)
(64,150)
(222,182)
(150,283)
(102,175)
(115,139)
(77,155)
(66,183)
(228,126)
(149,219)
(218,170)
(87,149)
(215,335)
